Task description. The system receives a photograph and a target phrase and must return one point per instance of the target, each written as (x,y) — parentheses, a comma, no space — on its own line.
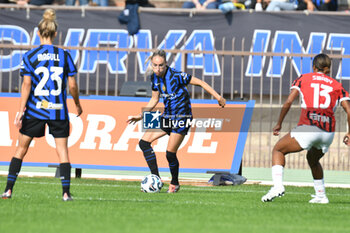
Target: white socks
(277,176)
(319,188)
(258,7)
(277,179)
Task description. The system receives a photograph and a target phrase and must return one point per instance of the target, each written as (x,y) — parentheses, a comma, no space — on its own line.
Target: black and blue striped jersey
(49,68)
(173,90)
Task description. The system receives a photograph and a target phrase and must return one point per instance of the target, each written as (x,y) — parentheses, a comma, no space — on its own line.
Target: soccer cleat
(272,194)
(67,197)
(173,188)
(319,199)
(7,194)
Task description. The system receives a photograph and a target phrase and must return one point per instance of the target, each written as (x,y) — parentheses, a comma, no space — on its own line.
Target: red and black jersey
(320,95)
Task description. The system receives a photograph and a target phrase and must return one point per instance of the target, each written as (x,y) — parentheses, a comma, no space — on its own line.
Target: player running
(45,72)
(170,84)
(320,94)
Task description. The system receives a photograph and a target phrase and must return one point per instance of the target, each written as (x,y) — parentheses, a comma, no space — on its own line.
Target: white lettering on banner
(32,143)
(203,39)
(129,133)
(162,144)
(75,134)
(77,129)
(93,131)
(5,139)
(198,140)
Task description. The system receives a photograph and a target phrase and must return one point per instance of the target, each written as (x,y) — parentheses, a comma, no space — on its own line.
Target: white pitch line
(305,184)
(191,202)
(207,188)
(133,178)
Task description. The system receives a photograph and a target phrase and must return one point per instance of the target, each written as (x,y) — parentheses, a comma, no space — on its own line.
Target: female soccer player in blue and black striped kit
(170,84)
(46,70)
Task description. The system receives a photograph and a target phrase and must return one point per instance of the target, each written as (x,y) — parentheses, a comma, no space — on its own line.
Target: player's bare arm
(149,107)
(197,82)
(346,106)
(25,91)
(73,90)
(285,108)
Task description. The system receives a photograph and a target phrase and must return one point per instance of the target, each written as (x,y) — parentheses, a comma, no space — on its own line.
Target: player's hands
(222,102)
(276,130)
(18,120)
(346,139)
(79,110)
(134,119)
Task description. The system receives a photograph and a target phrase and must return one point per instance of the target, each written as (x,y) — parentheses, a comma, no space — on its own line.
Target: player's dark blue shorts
(177,125)
(36,128)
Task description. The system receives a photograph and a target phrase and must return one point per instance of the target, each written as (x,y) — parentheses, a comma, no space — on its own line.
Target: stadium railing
(260,140)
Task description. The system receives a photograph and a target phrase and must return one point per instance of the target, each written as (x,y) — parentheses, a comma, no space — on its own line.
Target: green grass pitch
(119,206)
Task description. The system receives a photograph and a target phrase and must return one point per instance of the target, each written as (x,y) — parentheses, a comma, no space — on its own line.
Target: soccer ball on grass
(151,184)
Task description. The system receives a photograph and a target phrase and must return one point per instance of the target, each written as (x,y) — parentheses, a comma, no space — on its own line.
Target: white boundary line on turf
(303,184)
(197,188)
(105,176)
(130,177)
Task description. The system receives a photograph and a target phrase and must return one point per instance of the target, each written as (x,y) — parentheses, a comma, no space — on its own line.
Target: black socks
(65,170)
(14,169)
(152,161)
(174,167)
(150,157)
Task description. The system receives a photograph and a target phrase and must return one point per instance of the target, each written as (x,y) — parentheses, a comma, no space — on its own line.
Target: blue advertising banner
(256,32)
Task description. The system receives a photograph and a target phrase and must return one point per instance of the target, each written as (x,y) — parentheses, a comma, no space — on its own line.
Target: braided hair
(322,63)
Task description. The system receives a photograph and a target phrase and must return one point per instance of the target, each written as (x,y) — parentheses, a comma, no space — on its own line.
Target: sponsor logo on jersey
(319,118)
(48,105)
(169,96)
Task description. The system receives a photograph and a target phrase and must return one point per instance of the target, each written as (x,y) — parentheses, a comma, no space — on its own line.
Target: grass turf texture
(119,206)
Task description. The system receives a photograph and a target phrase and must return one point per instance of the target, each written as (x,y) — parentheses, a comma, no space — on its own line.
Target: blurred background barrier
(244,56)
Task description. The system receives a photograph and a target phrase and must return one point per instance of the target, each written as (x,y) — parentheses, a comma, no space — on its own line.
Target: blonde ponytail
(149,70)
(49,14)
(48,26)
